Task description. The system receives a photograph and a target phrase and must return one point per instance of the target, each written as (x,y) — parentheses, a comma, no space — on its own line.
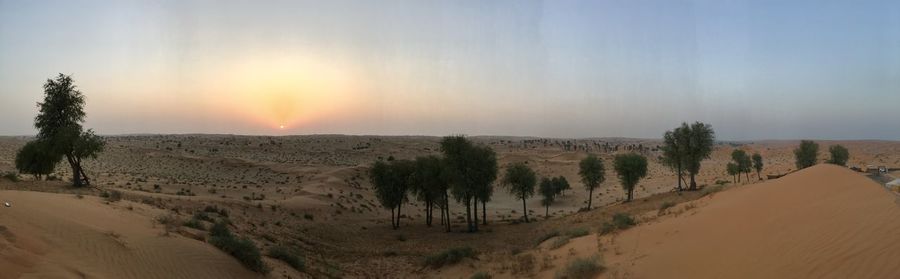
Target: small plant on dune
(559,242)
(664,206)
(288,256)
(578,232)
(242,249)
(11,176)
(547,236)
(582,268)
(481,275)
(623,221)
(449,257)
(114,196)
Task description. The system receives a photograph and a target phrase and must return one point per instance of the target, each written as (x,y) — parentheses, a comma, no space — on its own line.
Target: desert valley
(313,194)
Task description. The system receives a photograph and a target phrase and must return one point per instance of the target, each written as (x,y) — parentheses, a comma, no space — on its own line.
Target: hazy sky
(753,69)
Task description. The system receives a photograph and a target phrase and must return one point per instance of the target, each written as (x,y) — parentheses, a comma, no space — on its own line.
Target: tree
(743,162)
(758,165)
(520,180)
(560,184)
(630,168)
(806,154)
(36,158)
(470,170)
(839,155)
(391,181)
(675,151)
(733,171)
(548,191)
(700,146)
(429,185)
(59,125)
(592,174)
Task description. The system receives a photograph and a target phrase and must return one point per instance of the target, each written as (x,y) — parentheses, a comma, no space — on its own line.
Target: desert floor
(312,192)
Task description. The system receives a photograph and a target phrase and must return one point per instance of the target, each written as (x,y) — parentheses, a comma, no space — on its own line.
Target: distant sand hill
(47,235)
(821,222)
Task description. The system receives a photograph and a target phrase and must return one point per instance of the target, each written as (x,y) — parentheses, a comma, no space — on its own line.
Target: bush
(839,155)
(113,196)
(578,232)
(547,236)
(288,256)
(450,256)
(665,205)
(11,176)
(481,275)
(806,154)
(581,269)
(242,249)
(623,221)
(559,242)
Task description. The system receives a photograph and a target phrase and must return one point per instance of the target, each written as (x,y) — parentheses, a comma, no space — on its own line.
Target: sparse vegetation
(242,249)
(582,268)
(665,206)
(11,176)
(449,257)
(288,256)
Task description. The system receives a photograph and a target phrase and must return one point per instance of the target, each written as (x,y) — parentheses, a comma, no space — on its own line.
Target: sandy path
(822,222)
(47,235)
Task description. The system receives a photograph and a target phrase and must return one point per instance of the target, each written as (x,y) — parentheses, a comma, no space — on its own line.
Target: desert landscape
(313,193)
(573,139)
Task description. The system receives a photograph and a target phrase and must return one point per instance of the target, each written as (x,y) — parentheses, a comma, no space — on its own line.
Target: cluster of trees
(550,189)
(741,163)
(685,147)
(60,134)
(466,173)
(806,155)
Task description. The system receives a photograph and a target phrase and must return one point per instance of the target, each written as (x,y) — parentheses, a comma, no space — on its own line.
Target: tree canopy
(758,164)
(675,150)
(520,180)
(839,155)
(700,146)
(806,154)
(592,174)
(743,162)
(630,168)
(36,158)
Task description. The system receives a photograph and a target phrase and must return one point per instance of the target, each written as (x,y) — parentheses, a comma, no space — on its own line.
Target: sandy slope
(47,235)
(822,222)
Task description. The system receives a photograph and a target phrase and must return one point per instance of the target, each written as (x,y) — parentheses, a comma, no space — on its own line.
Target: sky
(569,69)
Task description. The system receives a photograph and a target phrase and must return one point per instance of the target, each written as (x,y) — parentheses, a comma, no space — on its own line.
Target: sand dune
(47,235)
(821,222)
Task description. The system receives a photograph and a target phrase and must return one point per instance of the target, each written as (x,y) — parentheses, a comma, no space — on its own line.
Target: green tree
(520,180)
(806,154)
(391,181)
(743,162)
(548,191)
(560,184)
(758,165)
(592,174)
(630,168)
(470,170)
(36,158)
(733,170)
(839,155)
(429,185)
(674,149)
(700,146)
(59,125)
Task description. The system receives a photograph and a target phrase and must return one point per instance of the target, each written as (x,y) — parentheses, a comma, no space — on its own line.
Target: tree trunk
(447,209)
(469,214)
(475,219)
(399,206)
(525,210)
(758,176)
(393,223)
(747,175)
(547,212)
(693,182)
(590,197)
(680,176)
(483,213)
(76,171)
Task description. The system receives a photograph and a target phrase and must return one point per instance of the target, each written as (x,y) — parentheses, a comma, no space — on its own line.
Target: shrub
(607,227)
(581,269)
(578,232)
(11,176)
(559,242)
(481,275)
(450,256)
(623,221)
(665,205)
(288,256)
(839,155)
(242,249)
(547,236)
(806,154)
(114,196)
